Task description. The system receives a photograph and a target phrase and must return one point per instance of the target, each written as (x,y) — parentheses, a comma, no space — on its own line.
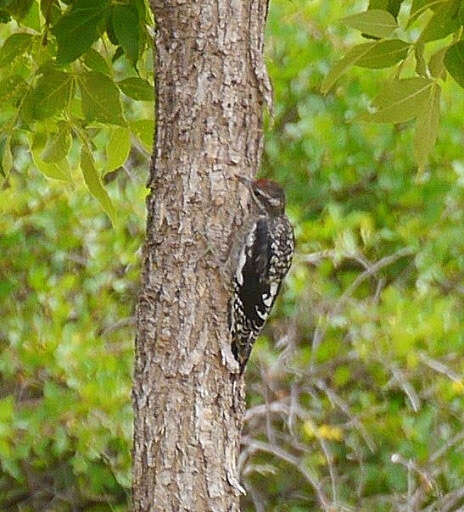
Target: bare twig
(336,400)
(439,367)
(320,331)
(278,452)
(458,438)
(124,322)
(407,387)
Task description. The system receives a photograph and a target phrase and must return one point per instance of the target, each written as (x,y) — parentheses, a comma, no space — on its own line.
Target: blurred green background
(355,390)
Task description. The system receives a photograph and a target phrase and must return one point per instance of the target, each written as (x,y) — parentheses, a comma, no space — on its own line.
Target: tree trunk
(211,84)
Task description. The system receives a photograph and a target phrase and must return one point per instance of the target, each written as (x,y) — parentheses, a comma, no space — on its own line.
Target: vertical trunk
(211,84)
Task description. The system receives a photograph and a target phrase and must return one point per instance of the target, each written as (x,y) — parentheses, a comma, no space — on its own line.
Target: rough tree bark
(211,85)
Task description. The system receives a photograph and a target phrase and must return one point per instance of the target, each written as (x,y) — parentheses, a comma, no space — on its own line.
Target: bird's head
(267,194)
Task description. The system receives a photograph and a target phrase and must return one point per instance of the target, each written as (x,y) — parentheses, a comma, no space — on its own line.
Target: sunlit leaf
(6,156)
(77,29)
(436,63)
(32,18)
(444,21)
(58,145)
(100,98)
(340,67)
(94,184)
(52,93)
(54,170)
(421,66)
(374,22)
(379,54)
(14,46)
(11,89)
(418,7)
(400,101)
(427,127)
(137,89)
(392,6)
(118,148)
(144,130)
(96,62)
(384,54)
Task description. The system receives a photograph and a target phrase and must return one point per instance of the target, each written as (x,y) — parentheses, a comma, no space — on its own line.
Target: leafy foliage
(67,292)
(402,99)
(64,66)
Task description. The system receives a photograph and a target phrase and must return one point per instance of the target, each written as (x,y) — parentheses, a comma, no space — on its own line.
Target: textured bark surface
(211,86)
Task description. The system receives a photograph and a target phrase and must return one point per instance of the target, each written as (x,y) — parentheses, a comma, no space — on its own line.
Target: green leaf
(50,11)
(461,14)
(110,31)
(2,148)
(118,148)
(57,171)
(400,101)
(6,409)
(418,8)
(14,46)
(340,67)
(436,63)
(137,89)
(378,54)
(142,10)
(427,127)
(100,98)
(11,89)
(384,54)
(144,129)
(144,21)
(51,94)
(96,62)
(58,145)
(94,184)
(443,22)
(7,157)
(392,6)
(76,30)
(126,29)
(454,62)
(421,66)
(378,4)
(374,22)
(19,8)
(32,18)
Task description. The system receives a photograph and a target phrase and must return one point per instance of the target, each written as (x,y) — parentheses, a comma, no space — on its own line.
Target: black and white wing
(262,265)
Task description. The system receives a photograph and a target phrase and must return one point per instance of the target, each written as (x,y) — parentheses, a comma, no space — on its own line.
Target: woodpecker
(263,257)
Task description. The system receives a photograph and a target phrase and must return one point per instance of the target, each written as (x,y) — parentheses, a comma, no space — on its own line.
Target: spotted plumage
(264,258)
